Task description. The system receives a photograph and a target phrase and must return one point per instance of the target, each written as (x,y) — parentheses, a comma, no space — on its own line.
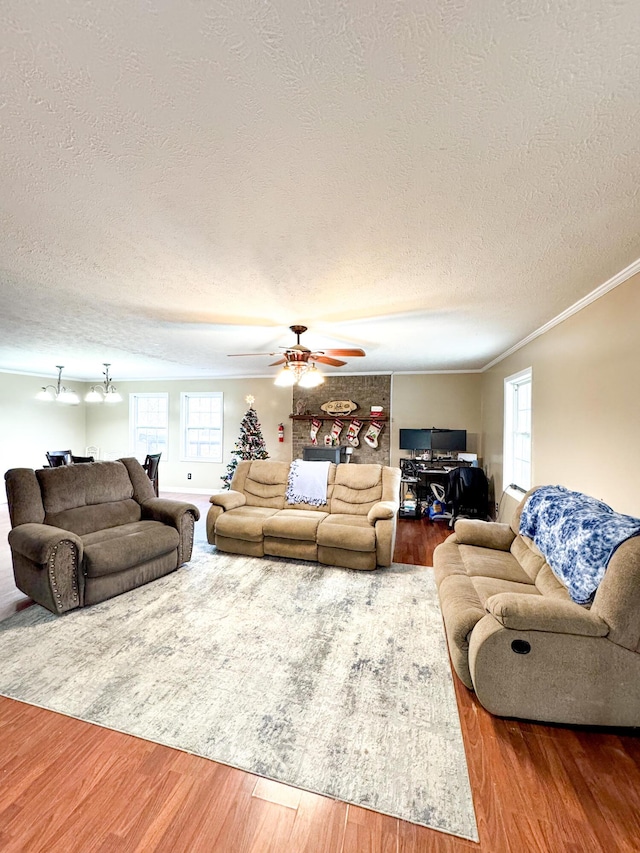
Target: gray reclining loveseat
(84,533)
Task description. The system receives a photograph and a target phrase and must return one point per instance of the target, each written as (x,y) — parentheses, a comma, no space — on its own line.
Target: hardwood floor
(71,787)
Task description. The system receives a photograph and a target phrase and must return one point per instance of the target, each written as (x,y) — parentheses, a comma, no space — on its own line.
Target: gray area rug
(331,680)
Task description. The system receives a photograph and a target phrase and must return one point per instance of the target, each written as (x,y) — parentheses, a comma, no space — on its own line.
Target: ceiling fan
(300,362)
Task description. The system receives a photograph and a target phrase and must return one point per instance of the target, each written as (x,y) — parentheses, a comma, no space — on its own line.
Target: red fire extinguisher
(280,432)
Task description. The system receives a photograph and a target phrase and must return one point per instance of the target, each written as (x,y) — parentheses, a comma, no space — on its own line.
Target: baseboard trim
(190,490)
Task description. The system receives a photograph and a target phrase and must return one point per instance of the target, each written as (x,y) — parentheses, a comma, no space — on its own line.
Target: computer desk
(419,474)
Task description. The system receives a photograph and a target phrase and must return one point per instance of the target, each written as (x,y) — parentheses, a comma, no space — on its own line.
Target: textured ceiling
(431,180)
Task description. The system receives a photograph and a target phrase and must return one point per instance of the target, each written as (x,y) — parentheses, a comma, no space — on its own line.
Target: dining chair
(151,467)
(56,458)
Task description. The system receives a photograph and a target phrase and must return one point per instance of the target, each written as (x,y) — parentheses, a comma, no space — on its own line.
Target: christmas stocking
(315,426)
(336,429)
(352,435)
(371,435)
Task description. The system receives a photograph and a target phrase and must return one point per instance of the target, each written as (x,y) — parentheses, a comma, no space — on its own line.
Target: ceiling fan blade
(280,361)
(350,353)
(324,359)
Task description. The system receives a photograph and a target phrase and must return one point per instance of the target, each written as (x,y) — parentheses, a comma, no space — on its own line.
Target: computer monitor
(452,440)
(415,439)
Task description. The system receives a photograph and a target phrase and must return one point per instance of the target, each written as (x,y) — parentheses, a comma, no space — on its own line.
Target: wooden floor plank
(369,832)
(319,825)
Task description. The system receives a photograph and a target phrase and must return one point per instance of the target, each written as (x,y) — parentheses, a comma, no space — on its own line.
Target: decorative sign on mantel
(339,407)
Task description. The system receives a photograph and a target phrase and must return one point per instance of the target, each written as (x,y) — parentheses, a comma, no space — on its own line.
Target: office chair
(467,491)
(151,467)
(56,458)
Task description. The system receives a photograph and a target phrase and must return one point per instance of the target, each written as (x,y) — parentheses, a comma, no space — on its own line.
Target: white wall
(449,401)
(585,404)
(30,427)
(108,426)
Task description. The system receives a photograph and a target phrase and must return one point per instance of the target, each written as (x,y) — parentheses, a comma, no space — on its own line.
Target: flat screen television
(452,440)
(415,439)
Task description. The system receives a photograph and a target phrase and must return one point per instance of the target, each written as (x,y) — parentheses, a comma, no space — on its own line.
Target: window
(517,430)
(149,424)
(201,427)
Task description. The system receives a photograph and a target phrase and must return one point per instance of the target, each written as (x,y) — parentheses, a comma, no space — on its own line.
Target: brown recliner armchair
(84,533)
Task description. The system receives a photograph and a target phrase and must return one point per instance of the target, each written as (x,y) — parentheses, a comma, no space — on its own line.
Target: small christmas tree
(250,443)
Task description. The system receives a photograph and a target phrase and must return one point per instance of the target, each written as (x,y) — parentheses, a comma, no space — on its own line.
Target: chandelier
(299,373)
(106,392)
(58,392)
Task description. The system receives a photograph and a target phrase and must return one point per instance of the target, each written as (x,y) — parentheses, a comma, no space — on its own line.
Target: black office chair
(56,458)
(151,467)
(467,491)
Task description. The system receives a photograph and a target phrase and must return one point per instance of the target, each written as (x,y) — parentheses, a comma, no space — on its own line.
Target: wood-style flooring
(71,787)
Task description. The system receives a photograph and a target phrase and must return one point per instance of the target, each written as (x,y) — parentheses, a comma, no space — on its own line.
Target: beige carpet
(331,680)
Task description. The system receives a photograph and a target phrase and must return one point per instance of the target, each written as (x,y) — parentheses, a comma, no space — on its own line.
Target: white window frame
(133,425)
(517,455)
(185,397)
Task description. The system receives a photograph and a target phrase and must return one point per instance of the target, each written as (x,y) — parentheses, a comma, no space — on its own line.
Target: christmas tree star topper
(250,400)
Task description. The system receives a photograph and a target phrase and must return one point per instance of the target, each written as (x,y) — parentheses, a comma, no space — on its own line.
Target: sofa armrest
(37,542)
(484,534)
(167,511)
(178,514)
(541,613)
(47,565)
(382,511)
(228,500)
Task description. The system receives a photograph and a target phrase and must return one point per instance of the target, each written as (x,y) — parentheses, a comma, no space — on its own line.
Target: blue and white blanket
(577,535)
(308,482)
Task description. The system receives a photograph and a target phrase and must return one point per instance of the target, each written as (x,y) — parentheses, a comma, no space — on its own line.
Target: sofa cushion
(357,488)
(548,584)
(72,486)
(263,482)
(528,555)
(486,562)
(294,524)
(486,587)
(350,532)
(89,497)
(447,560)
(244,522)
(484,534)
(87,519)
(119,548)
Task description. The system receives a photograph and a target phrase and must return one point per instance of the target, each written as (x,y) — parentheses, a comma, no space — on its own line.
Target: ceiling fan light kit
(286,378)
(311,378)
(300,362)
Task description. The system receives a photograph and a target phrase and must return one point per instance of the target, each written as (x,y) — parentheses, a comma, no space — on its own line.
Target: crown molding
(614,281)
(437,372)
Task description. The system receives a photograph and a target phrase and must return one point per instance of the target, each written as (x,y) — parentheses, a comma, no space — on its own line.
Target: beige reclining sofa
(356,528)
(84,533)
(517,639)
